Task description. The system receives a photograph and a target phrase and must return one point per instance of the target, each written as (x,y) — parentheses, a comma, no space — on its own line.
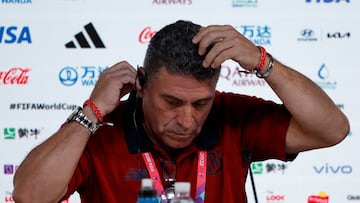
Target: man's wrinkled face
(175,108)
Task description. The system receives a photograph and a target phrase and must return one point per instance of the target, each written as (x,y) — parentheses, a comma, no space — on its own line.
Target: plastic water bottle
(182,193)
(147,194)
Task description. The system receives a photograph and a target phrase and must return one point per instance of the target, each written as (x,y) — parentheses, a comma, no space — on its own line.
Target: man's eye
(200,104)
(173,102)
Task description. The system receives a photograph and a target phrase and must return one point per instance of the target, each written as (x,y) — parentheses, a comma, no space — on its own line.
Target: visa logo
(327,1)
(14,34)
(333,169)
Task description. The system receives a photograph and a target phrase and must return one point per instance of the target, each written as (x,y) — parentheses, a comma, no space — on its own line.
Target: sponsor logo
(245,3)
(10,133)
(15,76)
(268,167)
(16,1)
(172,2)
(83,42)
(8,197)
(353,197)
(338,35)
(257,168)
(146,34)
(324,75)
(87,75)
(274,198)
(311,35)
(10,169)
(68,76)
(275,167)
(327,1)
(321,198)
(333,169)
(42,106)
(341,106)
(259,35)
(240,78)
(15,35)
(307,35)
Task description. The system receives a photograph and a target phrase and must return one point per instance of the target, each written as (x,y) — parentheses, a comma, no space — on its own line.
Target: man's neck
(169,152)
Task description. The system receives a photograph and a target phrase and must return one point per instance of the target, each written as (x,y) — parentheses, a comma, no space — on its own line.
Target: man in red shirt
(175,126)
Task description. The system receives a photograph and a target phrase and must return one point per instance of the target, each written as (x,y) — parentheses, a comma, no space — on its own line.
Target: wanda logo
(146,34)
(15,76)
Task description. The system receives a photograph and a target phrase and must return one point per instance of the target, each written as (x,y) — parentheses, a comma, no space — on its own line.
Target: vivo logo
(330,169)
(327,1)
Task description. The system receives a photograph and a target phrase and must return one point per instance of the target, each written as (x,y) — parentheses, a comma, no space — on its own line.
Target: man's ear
(140,81)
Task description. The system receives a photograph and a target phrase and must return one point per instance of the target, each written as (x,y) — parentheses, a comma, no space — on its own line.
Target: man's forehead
(182,87)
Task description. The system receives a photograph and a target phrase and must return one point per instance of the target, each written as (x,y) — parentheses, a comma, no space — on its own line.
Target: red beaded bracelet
(268,70)
(95,109)
(262,58)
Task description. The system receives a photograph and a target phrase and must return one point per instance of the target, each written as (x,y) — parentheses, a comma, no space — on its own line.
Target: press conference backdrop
(52,53)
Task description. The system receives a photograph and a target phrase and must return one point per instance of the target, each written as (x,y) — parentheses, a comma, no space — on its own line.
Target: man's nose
(185,117)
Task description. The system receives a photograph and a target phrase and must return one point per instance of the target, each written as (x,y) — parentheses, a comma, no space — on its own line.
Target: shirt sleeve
(265,130)
(262,126)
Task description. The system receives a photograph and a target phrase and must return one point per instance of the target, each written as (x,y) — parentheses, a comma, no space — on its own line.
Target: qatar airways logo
(15,76)
(146,34)
(237,77)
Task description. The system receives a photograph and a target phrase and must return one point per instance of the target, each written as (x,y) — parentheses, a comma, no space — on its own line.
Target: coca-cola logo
(146,34)
(15,76)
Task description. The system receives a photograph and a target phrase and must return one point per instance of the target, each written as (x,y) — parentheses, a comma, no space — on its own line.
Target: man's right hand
(112,85)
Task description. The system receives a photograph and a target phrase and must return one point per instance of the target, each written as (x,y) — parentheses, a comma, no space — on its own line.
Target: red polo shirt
(111,169)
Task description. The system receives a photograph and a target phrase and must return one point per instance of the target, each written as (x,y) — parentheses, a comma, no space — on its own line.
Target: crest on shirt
(136,174)
(214,162)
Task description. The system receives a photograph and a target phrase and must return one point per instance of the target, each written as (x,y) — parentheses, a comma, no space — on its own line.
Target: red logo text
(15,76)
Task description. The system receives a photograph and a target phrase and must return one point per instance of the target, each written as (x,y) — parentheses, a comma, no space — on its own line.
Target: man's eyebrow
(210,97)
(167,96)
(205,99)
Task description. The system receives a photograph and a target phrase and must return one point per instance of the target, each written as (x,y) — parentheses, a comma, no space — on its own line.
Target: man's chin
(177,144)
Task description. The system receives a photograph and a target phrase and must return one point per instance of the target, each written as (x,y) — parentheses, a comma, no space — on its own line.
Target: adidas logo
(83,42)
